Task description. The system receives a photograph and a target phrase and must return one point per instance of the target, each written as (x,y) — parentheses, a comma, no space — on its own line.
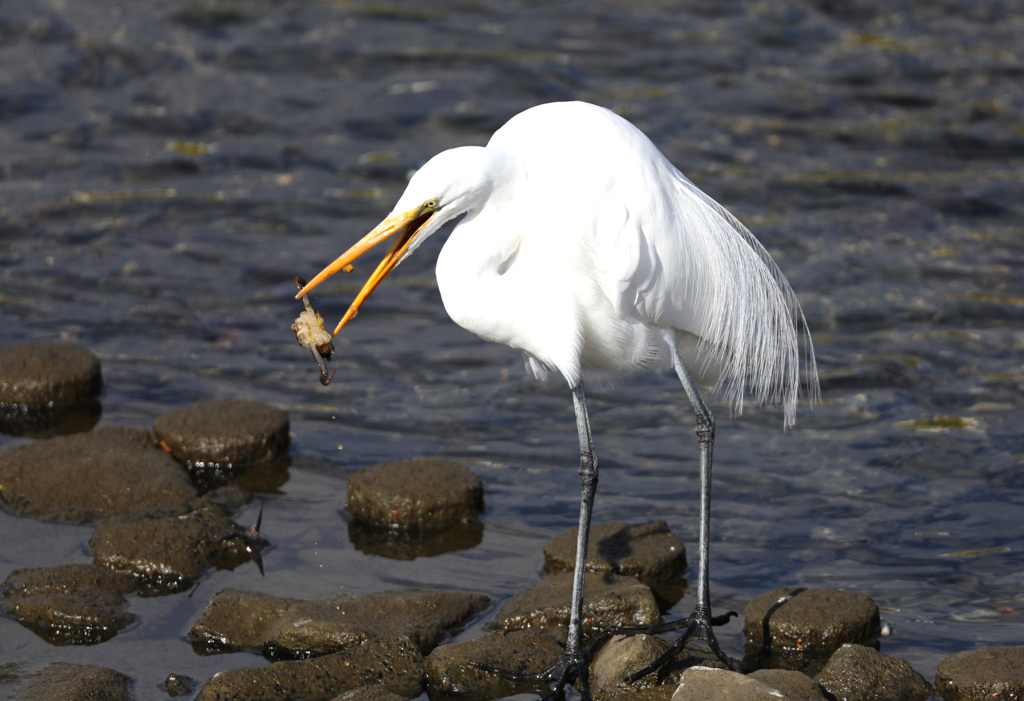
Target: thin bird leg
(700,623)
(575,660)
(588,486)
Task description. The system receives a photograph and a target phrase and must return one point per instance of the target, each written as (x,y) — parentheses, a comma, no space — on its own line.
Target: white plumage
(583,247)
(582,244)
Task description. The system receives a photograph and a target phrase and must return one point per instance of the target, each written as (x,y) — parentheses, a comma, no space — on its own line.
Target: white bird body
(583,247)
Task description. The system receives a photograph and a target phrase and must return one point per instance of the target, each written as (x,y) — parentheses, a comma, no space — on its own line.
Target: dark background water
(167,168)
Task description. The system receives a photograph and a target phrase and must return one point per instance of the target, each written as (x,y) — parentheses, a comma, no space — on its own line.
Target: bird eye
(430,205)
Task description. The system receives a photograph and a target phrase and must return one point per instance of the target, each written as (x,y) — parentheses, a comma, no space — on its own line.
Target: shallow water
(168,168)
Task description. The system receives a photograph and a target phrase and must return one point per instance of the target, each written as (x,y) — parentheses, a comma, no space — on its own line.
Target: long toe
(572,666)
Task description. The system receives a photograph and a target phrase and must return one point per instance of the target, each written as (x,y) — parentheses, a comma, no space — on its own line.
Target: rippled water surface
(169,167)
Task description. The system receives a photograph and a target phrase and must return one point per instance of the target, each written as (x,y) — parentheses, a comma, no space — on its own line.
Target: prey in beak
(406,224)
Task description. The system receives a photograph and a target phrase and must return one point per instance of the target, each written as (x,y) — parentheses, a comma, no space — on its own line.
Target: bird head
(449,184)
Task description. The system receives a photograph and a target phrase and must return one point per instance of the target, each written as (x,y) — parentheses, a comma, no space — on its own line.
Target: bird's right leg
(575,659)
(700,624)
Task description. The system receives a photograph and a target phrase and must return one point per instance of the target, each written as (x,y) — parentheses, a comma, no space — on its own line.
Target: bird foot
(699,625)
(574,665)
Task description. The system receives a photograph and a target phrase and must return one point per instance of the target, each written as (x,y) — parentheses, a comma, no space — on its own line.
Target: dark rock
(417,493)
(283,627)
(75,682)
(41,374)
(794,686)
(69,604)
(216,438)
(648,551)
(810,619)
(859,673)
(450,668)
(97,475)
(394,663)
(609,600)
(167,554)
(987,673)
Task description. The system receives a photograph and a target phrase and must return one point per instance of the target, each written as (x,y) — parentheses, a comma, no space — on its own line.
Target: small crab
(310,332)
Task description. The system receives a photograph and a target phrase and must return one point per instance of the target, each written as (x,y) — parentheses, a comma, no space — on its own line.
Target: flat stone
(608,600)
(42,374)
(285,627)
(622,656)
(450,668)
(76,604)
(712,684)
(859,673)
(810,619)
(648,551)
(167,554)
(75,682)
(223,433)
(394,663)
(986,673)
(416,493)
(794,686)
(109,472)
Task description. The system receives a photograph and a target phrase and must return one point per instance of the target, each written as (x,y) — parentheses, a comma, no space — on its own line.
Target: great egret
(584,248)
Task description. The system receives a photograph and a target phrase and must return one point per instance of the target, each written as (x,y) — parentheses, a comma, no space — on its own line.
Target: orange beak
(407,224)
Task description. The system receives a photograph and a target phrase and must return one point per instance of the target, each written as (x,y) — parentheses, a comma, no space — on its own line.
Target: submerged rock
(859,673)
(69,604)
(987,673)
(648,551)
(110,472)
(215,438)
(609,600)
(419,493)
(810,619)
(178,685)
(168,554)
(76,682)
(410,543)
(394,663)
(295,628)
(451,669)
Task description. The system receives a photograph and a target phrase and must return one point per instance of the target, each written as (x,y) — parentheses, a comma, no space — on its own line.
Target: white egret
(584,248)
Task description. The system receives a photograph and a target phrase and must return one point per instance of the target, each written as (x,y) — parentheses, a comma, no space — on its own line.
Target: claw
(563,673)
(698,626)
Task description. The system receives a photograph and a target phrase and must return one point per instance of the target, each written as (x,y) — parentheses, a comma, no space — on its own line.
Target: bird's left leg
(700,624)
(575,659)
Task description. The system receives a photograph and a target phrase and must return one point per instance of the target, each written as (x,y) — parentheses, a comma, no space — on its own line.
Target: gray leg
(700,623)
(706,443)
(588,488)
(575,659)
